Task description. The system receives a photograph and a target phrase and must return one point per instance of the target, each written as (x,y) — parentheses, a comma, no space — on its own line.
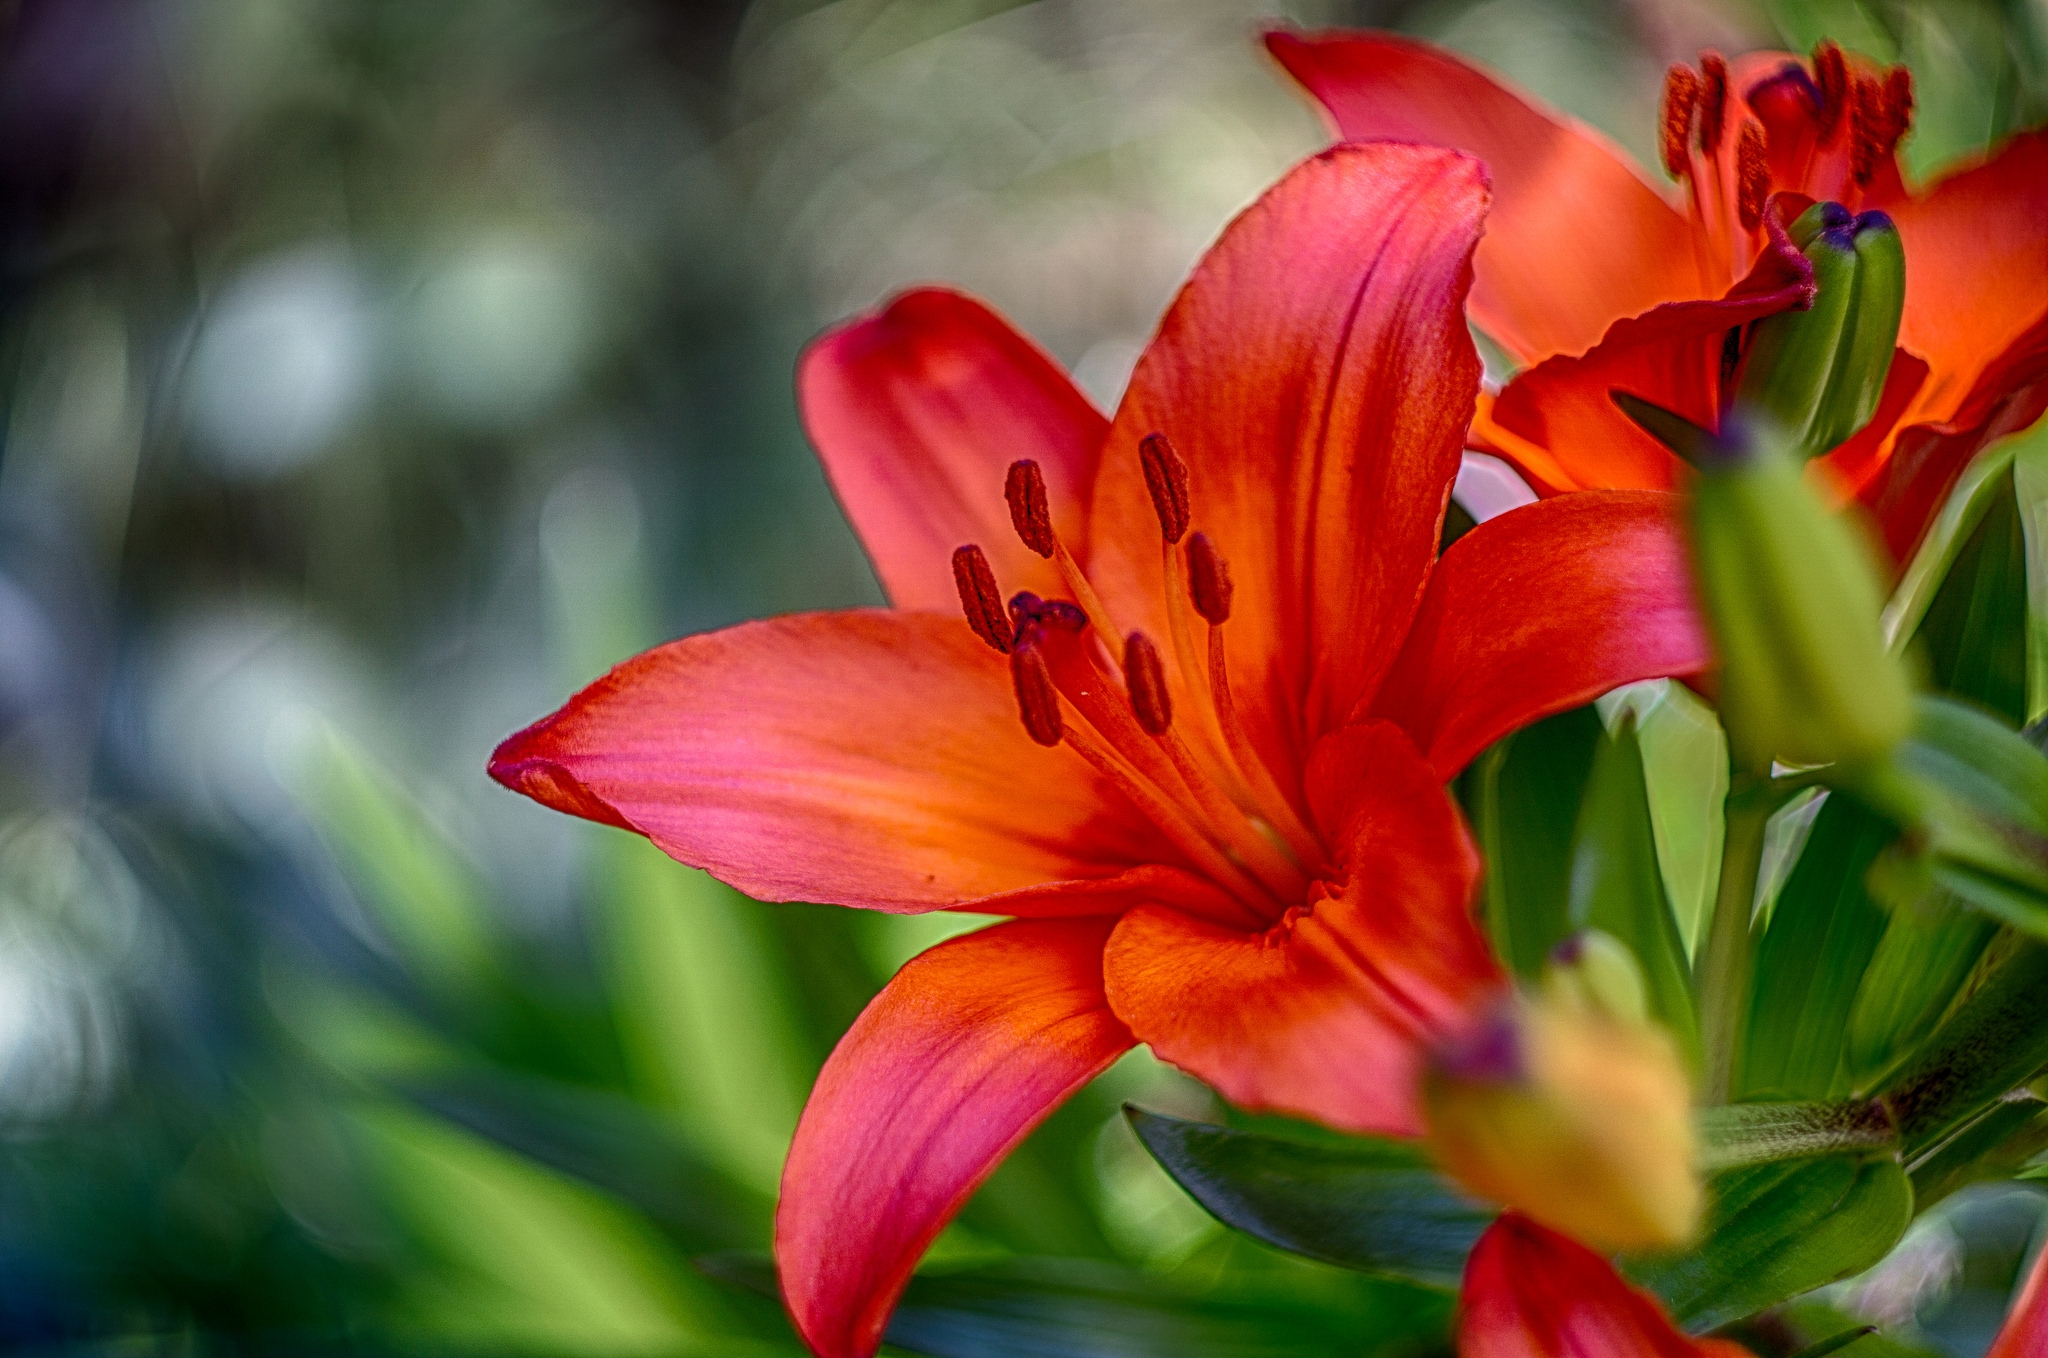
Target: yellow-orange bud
(1573,1116)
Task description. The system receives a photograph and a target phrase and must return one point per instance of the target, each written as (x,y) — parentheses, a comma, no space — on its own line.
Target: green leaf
(1822,934)
(1984,790)
(1996,1041)
(607,1142)
(1778,1230)
(1994,1146)
(1758,1133)
(1946,536)
(1045,1308)
(1522,796)
(1618,888)
(1372,1205)
(1923,959)
(1974,636)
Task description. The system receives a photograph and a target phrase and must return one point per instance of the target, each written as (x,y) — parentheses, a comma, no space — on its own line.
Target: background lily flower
(1594,279)
(1530,1292)
(1245,858)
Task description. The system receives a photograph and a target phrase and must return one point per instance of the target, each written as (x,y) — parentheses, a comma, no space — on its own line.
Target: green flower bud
(1573,1116)
(1594,972)
(1792,599)
(1819,372)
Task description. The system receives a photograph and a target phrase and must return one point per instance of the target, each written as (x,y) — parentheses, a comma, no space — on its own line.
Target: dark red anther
(1166,478)
(1713,101)
(1038,701)
(1208,580)
(1681,92)
(1831,75)
(1880,112)
(1752,174)
(1145,678)
(1030,512)
(1898,104)
(979,597)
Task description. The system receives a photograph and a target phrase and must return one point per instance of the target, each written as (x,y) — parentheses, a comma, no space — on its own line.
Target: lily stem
(1724,964)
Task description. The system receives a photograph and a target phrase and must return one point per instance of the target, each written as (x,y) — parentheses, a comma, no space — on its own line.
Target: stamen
(1681,92)
(1713,101)
(1166,479)
(1173,824)
(980,598)
(1145,678)
(1038,702)
(1030,512)
(1209,580)
(1881,114)
(1831,74)
(1898,104)
(1752,174)
(1279,813)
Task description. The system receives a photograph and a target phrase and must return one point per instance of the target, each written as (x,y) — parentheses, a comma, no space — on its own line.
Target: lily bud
(1574,1117)
(1819,372)
(1595,973)
(1792,599)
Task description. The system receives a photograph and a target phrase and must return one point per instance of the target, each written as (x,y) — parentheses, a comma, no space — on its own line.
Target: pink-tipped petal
(963,1053)
(870,758)
(1541,609)
(1577,239)
(917,410)
(1533,1293)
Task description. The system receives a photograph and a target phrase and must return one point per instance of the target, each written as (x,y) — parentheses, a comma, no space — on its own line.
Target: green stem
(1724,964)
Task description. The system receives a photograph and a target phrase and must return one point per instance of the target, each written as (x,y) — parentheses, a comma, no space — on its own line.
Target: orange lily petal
(867,758)
(2025,1332)
(1317,375)
(1533,1293)
(1976,270)
(1327,1014)
(917,410)
(1577,238)
(1913,478)
(1544,608)
(970,1046)
(1563,408)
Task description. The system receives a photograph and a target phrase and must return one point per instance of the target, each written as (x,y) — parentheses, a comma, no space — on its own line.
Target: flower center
(1824,134)
(1194,774)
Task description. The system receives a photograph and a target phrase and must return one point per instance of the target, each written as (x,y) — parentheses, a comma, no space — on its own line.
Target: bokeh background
(375,372)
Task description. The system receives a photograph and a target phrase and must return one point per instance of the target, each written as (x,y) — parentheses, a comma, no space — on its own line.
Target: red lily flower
(2025,1332)
(1592,276)
(1532,1293)
(1244,856)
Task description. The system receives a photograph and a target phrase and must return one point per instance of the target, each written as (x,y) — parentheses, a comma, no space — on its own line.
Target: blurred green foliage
(373,373)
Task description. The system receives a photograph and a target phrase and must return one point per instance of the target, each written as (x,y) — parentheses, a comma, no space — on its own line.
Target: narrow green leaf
(1618,888)
(607,1142)
(2030,490)
(1758,1133)
(1974,636)
(1945,538)
(1985,790)
(1922,961)
(1057,1308)
(1778,1230)
(1996,1041)
(1523,796)
(1372,1205)
(1994,1146)
(1837,1342)
(1822,934)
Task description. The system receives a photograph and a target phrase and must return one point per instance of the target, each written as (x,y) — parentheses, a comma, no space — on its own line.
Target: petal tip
(524,763)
